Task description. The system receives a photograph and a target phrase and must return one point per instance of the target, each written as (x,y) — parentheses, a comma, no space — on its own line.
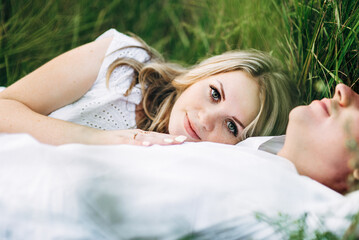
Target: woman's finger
(149,138)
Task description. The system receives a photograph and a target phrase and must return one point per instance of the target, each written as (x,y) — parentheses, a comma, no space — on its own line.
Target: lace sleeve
(121,77)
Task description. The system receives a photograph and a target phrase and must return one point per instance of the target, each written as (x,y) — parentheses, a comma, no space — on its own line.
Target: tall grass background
(317,40)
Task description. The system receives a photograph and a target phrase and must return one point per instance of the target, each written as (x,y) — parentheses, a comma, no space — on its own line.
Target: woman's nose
(207,119)
(342,94)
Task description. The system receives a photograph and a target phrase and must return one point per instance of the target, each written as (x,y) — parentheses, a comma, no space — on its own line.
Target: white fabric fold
(78,191)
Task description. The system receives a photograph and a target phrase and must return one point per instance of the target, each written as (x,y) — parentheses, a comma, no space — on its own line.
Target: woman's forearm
(15,117)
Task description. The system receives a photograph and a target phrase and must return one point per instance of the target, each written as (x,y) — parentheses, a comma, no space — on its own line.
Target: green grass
(321,44)
(33,32)
(317,40)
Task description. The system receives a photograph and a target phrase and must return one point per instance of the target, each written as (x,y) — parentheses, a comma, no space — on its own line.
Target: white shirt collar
(270,144)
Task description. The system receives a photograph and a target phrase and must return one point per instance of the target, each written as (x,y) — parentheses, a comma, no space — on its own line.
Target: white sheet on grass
(120,192)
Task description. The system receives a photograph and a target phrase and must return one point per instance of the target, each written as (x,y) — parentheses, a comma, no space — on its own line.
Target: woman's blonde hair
(162,83)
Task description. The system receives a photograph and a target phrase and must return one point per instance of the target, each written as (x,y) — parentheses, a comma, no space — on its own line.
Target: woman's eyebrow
(239,122)
(222,91)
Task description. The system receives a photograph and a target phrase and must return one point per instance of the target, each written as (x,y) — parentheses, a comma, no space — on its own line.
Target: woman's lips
(189,129)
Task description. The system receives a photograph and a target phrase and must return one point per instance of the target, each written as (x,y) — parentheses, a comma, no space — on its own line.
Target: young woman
(119,84)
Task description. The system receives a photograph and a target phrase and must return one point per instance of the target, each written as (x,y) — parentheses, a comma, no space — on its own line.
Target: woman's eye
(232,128)
(215,95)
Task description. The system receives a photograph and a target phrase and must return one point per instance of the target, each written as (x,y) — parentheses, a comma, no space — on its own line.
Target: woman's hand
(134,137)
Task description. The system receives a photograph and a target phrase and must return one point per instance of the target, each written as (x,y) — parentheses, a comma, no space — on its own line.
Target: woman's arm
(16,117)
(24,106)
(61,81)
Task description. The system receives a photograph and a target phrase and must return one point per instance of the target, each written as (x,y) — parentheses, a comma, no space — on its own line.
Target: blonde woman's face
(217,108)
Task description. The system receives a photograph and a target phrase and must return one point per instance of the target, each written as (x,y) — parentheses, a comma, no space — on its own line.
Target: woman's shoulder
(120,40)
(114,33)
(120,79)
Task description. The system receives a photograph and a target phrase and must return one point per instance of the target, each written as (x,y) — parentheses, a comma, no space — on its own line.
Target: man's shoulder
(270,144)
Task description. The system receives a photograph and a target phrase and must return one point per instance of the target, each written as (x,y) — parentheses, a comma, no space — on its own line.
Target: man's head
(317,135)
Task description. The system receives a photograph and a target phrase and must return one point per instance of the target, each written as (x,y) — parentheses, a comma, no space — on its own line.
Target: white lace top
(108,108)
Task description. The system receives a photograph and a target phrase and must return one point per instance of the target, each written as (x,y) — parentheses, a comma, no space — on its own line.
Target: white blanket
(203,190)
